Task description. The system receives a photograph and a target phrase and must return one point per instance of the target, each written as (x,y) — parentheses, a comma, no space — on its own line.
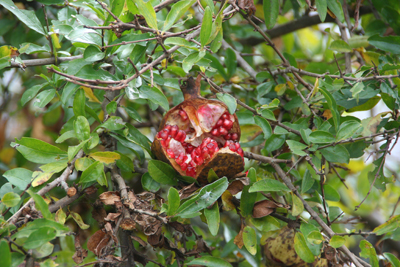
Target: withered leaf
(98,212)
(110,232)
(139,240)
(227,201)
(236,186)
(177,226)
(128,224)
(112,217)
(263,208)
(110,197)
(247,5)
(330,253)
(80,253)
(97,242)
(238,241)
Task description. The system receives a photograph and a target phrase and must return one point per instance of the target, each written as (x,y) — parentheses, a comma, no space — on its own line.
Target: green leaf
(138,138)
(392,259)
(30,93)
(180,41)
(315,237)
(79,103)
(298,206)
(91,173)
(247,201)
(229,100)
(307,182)
(113,123)
(207,196)
(301,248)
(213,218)
(209,261)
(336,153)
(389,226)
(93,53)
(125,163)
(266,224)
(321,9)
(106,157)
(82,164)
(43,98)
(297,147)
(149,183)
(321,137)
(73,150)
(332,106)
(250,240)
(336,7)
(206,27)
(154,95)
(388,43)
(41,205)
(340,46)
(173,201)
(368,251)
(162,172)
(147,11)
(78,219)
(5,254)
(337,241)
(268,185)
(265,126)
(28,17)
(347,129)
(111,107)
(133,113)
(40,237)
(19,177)
(230,62)
(65,136)
(82,128)
(271,12)
(176,12)
(10,199)
(330,193)
(38,151)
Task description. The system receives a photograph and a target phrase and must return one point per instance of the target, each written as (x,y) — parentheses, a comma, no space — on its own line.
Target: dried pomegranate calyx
(199,134)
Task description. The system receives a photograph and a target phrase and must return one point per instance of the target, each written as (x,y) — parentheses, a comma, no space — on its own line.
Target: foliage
(87,84)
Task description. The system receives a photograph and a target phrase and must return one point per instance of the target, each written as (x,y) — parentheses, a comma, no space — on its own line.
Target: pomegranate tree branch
(58,181)
(328,231)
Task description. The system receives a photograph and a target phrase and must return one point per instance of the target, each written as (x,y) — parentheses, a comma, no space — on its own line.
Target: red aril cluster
(223,126)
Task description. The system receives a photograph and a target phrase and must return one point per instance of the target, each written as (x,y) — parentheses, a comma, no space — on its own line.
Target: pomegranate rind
(225,163)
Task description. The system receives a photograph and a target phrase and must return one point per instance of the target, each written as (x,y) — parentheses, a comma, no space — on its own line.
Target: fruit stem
(192,88)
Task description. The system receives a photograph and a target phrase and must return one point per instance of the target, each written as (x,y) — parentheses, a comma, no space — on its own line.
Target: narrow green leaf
(111,107)
(10,199)
(5,254)
(173,201)
(307,182)
(388,43)
(347,129)
(297,147)
(18,177)
(332,106)
(43,98)
(229,100)
(389,226)
(39,237)
(41,205)
(65,136)
(176,12)
(213,218)
(321,9)
(79,103)
(209,261)
(265,126)
(336,7)
(147,11)
(206,27)
(321,137)
(38,151)
(149,183)
(30,93)
(268,185)
(154,95)
(230,62)
(113,123)
(82,128)
(301,248)
(340,46)
(250,240)
(298,206)
(247,201)
(271,12)
(91,173)
(337,241)
(162,172)
(392,259)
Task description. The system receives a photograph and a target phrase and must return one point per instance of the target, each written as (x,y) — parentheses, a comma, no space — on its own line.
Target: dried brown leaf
(110,197)
(139,240)
(97,242)
(128,224)
(263,208)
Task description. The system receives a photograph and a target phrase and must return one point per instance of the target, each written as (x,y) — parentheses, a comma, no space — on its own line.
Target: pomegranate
(198,135)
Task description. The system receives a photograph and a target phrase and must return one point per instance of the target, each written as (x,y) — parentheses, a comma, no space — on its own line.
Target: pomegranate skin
(224,162)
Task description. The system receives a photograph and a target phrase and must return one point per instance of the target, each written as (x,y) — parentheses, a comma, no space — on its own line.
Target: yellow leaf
(356,166)
(89,94)
(40,177)
(290,84)
(327,114)
(105,157)
(315,89)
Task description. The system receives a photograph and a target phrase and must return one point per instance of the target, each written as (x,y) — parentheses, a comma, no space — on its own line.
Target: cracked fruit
(198,135)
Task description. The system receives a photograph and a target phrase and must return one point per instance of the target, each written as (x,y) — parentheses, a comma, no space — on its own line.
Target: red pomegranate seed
(237,145)
(183,115)
(215,132)
(193,154)
(170,153)
(228,137)
(219,122)
(163,143)
(235,137)
(189,148)
(174,130)
(180,136)
(164,134)
(228,124)
(179,160)
(167,140)
(225,115)
(222,131)
(227,143)
(205,153)
(240,152)
(191,171)
(198,151)
(211,148)
(184,166)
(168,127)
(232,147)
(198,160)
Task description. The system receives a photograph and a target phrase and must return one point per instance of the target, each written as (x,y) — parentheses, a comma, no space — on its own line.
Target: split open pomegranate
(198,135)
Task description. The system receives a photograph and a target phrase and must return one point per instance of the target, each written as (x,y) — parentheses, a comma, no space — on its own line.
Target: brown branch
(43,61)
